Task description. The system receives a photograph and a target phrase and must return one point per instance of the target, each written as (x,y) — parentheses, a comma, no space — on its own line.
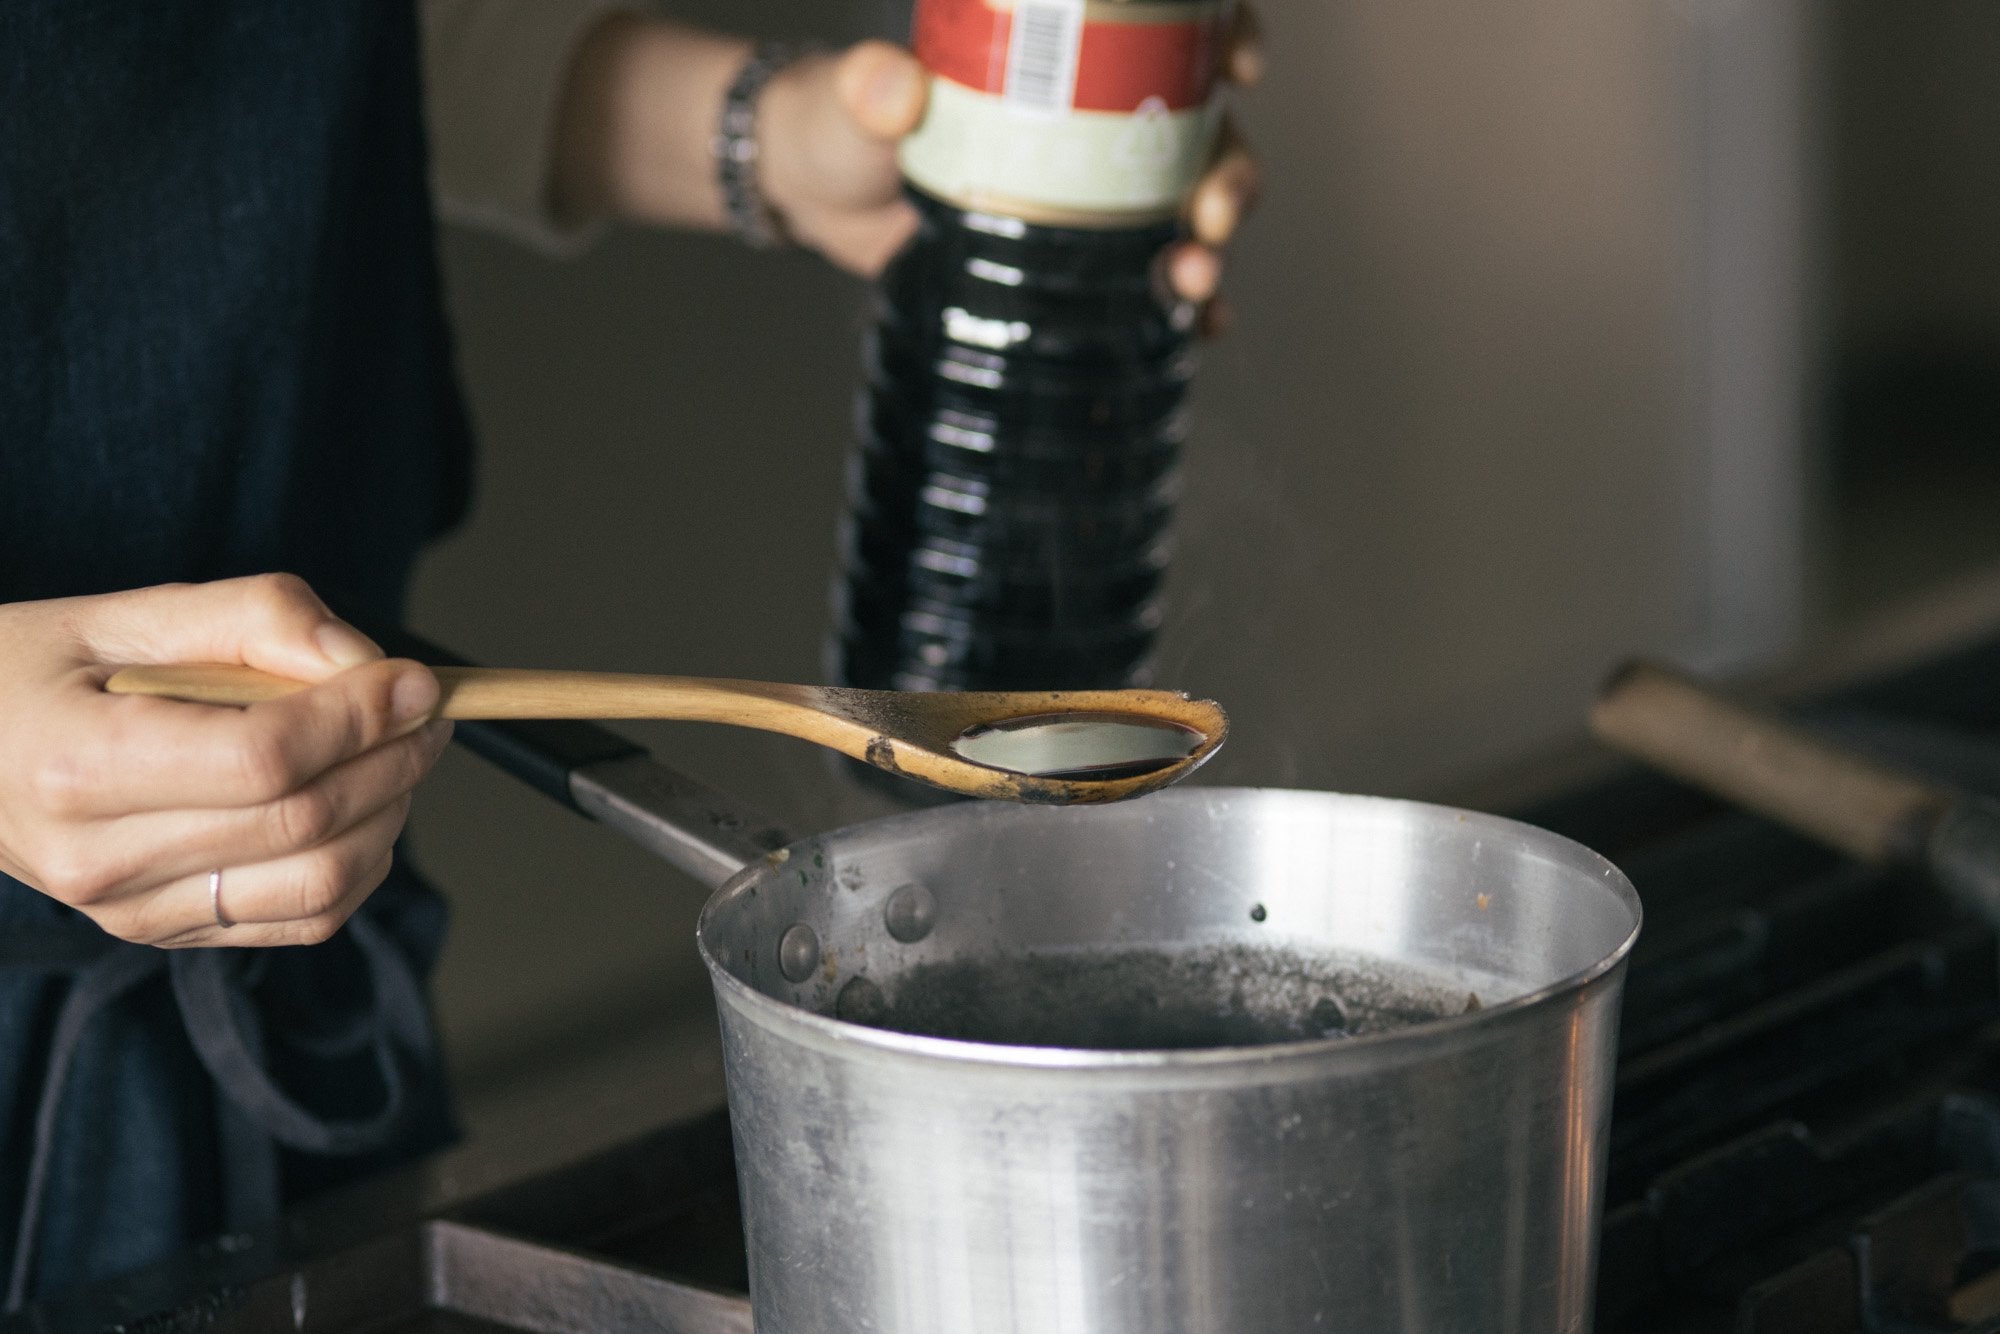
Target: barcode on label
(1041,55)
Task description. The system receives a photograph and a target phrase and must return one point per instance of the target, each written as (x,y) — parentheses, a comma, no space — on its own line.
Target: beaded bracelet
(736,151)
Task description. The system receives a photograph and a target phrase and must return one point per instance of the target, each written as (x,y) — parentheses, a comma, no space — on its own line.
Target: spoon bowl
(1059,747)
(1089,746)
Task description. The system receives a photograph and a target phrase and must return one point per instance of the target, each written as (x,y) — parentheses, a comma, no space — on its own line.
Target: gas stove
(1806,1129)
(1806,1134)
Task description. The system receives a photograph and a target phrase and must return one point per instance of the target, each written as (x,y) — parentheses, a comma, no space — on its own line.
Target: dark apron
(222,351)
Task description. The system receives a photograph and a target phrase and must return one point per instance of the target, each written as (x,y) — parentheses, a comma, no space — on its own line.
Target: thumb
(883,89)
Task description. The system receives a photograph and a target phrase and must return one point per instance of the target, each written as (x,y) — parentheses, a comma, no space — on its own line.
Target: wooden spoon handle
(203,683)
(468,692)
(910,735)
(1868,810)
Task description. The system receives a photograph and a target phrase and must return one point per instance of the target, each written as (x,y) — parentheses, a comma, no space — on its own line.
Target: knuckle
(144,919)
(124,924)
(261,767)
(74,875)
(58,784)
(321,886)
(281,591)
(346,715)
(304,819)
(281,600)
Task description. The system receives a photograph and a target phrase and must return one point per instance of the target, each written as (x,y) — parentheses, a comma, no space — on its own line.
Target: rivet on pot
(861,1002)
(910,913)
(1328,1017)
(798,953)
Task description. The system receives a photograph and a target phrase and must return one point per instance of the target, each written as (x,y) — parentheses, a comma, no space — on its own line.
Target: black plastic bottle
(1011,492)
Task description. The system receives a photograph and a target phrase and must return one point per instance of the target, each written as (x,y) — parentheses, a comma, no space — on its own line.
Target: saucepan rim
(779,1013)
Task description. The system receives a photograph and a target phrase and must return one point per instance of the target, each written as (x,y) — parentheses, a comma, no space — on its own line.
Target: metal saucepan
(1442,1176)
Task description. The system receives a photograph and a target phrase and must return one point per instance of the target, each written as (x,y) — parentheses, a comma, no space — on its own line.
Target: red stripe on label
(1119,65)
(964,41)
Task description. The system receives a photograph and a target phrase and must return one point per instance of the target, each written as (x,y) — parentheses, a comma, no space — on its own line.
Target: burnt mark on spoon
(882,754)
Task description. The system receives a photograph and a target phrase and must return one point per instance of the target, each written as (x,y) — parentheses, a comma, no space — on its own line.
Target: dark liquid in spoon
(1153,1000)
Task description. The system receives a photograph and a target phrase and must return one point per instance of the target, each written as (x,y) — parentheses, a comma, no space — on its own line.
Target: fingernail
(413,696)
(343,645)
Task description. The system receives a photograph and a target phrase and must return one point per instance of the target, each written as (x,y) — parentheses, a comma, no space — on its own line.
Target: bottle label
(1070,112)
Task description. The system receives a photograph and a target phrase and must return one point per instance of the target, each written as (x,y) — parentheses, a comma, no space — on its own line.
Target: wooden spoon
(1056,746)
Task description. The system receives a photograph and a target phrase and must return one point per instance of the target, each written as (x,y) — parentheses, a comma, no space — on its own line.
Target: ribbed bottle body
(1011,492)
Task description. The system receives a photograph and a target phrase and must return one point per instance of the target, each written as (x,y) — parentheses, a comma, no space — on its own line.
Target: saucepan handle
(1879,814)
(613,780)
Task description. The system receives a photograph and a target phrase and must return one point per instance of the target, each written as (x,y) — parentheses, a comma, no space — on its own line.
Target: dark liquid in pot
(1153,1000)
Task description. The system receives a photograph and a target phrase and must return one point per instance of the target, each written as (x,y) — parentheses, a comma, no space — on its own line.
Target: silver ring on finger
(215,898)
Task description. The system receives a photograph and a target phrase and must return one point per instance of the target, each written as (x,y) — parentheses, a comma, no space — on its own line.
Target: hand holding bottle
(637,124)
(835,178)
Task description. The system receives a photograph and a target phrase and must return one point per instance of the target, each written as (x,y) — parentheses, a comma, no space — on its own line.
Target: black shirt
(222,351)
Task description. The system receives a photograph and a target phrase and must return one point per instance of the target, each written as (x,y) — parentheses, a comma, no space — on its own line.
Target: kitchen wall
(1912,203)
(1512,393)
